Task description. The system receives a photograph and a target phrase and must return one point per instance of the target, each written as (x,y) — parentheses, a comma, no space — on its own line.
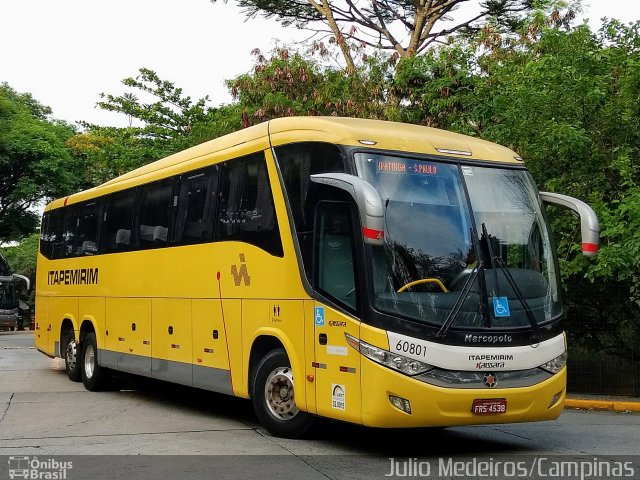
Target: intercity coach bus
(378,273)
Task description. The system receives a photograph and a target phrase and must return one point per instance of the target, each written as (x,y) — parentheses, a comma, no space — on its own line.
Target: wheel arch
(266,340)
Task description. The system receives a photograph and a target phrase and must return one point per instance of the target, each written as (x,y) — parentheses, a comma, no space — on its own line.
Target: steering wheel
(421,281)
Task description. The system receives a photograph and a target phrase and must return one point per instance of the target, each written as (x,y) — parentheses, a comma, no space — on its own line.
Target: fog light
(555,399)
(400,403)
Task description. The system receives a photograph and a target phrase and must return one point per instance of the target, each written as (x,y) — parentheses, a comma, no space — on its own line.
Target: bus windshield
(7,296)
(433,211)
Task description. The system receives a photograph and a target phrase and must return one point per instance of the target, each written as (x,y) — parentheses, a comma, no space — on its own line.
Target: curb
(610,405)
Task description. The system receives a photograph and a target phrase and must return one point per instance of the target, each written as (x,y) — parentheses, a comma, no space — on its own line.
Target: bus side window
(116,222)
(87,229)
(69,227)
(153,214)
(334,252)
(297,162)
(197,199)
(246,211)
(51,234)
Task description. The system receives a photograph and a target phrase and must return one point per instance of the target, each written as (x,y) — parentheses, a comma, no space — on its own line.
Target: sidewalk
(603,402)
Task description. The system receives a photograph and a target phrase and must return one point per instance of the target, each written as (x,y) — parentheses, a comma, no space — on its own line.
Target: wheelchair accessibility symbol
(319,316)
(501,307)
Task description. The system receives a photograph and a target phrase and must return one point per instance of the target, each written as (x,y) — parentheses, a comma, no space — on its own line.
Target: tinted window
(297,163)
(154,207)
(88,215)
(51,234)
(117,222)
(335,275)
(69,227)
(197,206)
(246,211)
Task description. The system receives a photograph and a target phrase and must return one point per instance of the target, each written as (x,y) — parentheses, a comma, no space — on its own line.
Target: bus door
(337,365)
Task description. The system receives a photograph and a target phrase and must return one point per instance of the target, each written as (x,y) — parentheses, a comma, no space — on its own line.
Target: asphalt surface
(43,413)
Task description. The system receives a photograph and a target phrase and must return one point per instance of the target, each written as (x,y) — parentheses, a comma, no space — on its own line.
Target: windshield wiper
(477,272)
(466,289)
(499,261)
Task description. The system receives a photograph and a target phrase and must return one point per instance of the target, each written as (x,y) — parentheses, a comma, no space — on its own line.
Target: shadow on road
(453,441)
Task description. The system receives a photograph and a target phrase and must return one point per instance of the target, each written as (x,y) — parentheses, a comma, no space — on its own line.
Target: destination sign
(402,166)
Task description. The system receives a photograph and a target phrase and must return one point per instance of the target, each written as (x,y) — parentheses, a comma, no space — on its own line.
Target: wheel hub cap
(279,394)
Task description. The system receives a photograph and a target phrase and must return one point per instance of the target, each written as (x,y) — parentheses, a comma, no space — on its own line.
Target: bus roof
(370,134)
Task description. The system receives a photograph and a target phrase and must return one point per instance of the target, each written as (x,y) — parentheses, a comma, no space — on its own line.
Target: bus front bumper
(433,406)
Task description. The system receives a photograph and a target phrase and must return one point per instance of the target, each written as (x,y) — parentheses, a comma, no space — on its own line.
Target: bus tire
(70,352)
(273,397)
(94,377)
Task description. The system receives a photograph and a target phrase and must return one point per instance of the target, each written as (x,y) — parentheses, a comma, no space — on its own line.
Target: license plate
(489,406)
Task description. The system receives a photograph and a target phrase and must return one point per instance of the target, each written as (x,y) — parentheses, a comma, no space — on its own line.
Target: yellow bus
(379,273)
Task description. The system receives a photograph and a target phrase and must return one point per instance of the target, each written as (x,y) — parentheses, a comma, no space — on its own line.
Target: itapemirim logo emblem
(35,469)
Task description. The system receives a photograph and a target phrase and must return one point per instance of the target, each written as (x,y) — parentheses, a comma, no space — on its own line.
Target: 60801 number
(403,346)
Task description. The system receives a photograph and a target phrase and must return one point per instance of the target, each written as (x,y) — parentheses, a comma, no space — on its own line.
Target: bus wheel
(71,363)
(94,377)
(273,397)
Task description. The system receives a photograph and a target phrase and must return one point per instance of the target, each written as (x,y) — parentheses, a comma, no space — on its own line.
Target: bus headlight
(555,365)
(400,363)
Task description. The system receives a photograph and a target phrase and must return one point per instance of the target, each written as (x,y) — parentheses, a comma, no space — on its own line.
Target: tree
(287,84)
(406,27)
(34,161)
(162,121)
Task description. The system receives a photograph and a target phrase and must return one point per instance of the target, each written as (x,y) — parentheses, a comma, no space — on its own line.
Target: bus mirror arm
(589,226)
(28,282)
(370,206)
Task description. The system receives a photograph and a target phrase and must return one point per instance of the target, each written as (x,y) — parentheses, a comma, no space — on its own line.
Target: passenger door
(337,365)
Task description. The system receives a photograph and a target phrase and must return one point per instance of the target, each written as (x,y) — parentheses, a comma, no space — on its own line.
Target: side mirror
(27,281)
(366,197)
(589,226)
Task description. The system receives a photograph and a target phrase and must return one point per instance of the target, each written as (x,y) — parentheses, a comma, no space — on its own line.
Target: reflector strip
(173,345)
(347,369)
(590,247)
(208,350)
(318,365)
(371,233)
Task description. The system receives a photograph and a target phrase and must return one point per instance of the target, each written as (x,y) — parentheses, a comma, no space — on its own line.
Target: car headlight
(555,365)
(400,363)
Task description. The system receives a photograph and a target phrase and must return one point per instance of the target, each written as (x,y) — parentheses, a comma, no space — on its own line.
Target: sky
(66,52)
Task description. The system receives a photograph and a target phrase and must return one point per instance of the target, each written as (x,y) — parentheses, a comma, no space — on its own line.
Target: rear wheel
(273,397)
(94,377)
(70,352)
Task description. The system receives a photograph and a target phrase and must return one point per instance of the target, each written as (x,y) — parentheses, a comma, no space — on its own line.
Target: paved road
(42,413)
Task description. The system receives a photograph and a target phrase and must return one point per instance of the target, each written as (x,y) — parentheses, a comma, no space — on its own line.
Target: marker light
(400,403)
(400,363)
(555,365)
(555,399)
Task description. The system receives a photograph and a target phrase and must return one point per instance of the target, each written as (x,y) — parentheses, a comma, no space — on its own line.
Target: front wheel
(94,377)
(273,397)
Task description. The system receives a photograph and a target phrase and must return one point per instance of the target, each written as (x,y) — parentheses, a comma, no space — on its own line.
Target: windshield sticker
(501,307)
(411,167)
(468,171)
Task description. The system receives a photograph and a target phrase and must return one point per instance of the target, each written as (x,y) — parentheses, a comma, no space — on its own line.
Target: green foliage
(287,84)
(22,257)
(165,122)
(34,161)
